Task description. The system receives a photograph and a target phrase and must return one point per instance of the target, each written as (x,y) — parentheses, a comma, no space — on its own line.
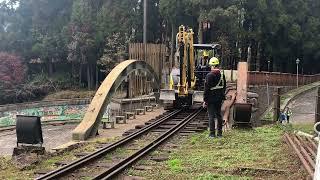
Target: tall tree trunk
(73,74)
(249,58)
(50,68)
(80,75)
(173,38)
(200,33)
(97,77)
(239,52)
(92,74)
(88,77)
(274,65)
(258,63)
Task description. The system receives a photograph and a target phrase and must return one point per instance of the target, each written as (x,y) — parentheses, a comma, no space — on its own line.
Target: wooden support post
(276,108)
(104,125)
(242,82)
(317,115)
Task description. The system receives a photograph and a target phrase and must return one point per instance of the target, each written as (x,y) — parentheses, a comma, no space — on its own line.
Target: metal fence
(280,79)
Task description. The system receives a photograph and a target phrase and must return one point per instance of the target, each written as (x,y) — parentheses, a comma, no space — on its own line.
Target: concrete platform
(303,108)
(60,137)
(131,123)
(52,137)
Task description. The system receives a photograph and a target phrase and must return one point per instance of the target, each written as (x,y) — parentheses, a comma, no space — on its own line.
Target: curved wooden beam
(90,123)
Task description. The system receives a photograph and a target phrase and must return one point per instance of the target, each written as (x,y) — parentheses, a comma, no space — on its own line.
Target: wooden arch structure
(90,123)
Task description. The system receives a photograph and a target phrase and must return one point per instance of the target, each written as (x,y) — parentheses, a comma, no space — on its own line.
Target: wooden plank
(154,55)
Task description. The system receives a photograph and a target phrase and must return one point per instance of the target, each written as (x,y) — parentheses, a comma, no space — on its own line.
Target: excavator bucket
(167,95)
(198,96)
(242,109)
(242,114)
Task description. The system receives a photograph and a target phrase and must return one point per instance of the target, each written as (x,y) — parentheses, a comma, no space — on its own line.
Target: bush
(39,86)
(12,70)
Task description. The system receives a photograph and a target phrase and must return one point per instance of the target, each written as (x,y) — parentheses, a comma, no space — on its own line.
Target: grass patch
(105,140)
(50,163)
(269,116)
(211,176)
(86,178)
(8,170)
(68,94)
(304,127)
(175,165)
(200,157)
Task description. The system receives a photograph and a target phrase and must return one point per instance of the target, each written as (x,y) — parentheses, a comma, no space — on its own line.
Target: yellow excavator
(187,76)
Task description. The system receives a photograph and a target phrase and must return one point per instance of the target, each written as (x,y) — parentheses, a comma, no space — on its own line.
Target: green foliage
(115,48)
(172,10)
(59,81)
(34,89)
(79,35)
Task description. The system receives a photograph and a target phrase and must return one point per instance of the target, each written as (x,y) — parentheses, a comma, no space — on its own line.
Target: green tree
(81,45)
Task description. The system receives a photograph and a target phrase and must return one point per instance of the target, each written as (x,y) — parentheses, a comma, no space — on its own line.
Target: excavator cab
(202,67)
(186,81)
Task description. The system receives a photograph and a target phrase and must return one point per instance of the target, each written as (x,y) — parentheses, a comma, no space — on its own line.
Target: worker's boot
(212,134)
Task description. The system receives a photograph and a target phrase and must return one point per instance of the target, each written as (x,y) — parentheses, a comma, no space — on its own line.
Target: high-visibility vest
(171,83)
(220,84)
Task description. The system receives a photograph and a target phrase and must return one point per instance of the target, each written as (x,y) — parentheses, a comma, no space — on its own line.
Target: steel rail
(88,158)
(313,153)
(119,167)
(301,157)
(313,144)
(307,157)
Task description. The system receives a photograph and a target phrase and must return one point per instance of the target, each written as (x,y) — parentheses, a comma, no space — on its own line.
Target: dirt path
(303,108)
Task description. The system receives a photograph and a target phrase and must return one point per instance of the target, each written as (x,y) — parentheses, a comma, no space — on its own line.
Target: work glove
(224,97)
(204,105)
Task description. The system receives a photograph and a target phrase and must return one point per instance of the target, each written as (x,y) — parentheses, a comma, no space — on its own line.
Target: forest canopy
(82,37)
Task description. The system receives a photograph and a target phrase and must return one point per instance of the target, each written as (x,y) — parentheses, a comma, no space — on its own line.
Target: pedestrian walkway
(303,108)
(295,99)
(52,137)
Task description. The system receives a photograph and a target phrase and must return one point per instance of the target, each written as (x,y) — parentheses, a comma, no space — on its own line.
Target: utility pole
(268,94)
(317,115)
(297,62)
(145,7)
(276,108)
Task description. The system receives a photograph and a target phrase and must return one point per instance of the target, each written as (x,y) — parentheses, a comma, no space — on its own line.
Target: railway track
(305,148)
(111,160)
